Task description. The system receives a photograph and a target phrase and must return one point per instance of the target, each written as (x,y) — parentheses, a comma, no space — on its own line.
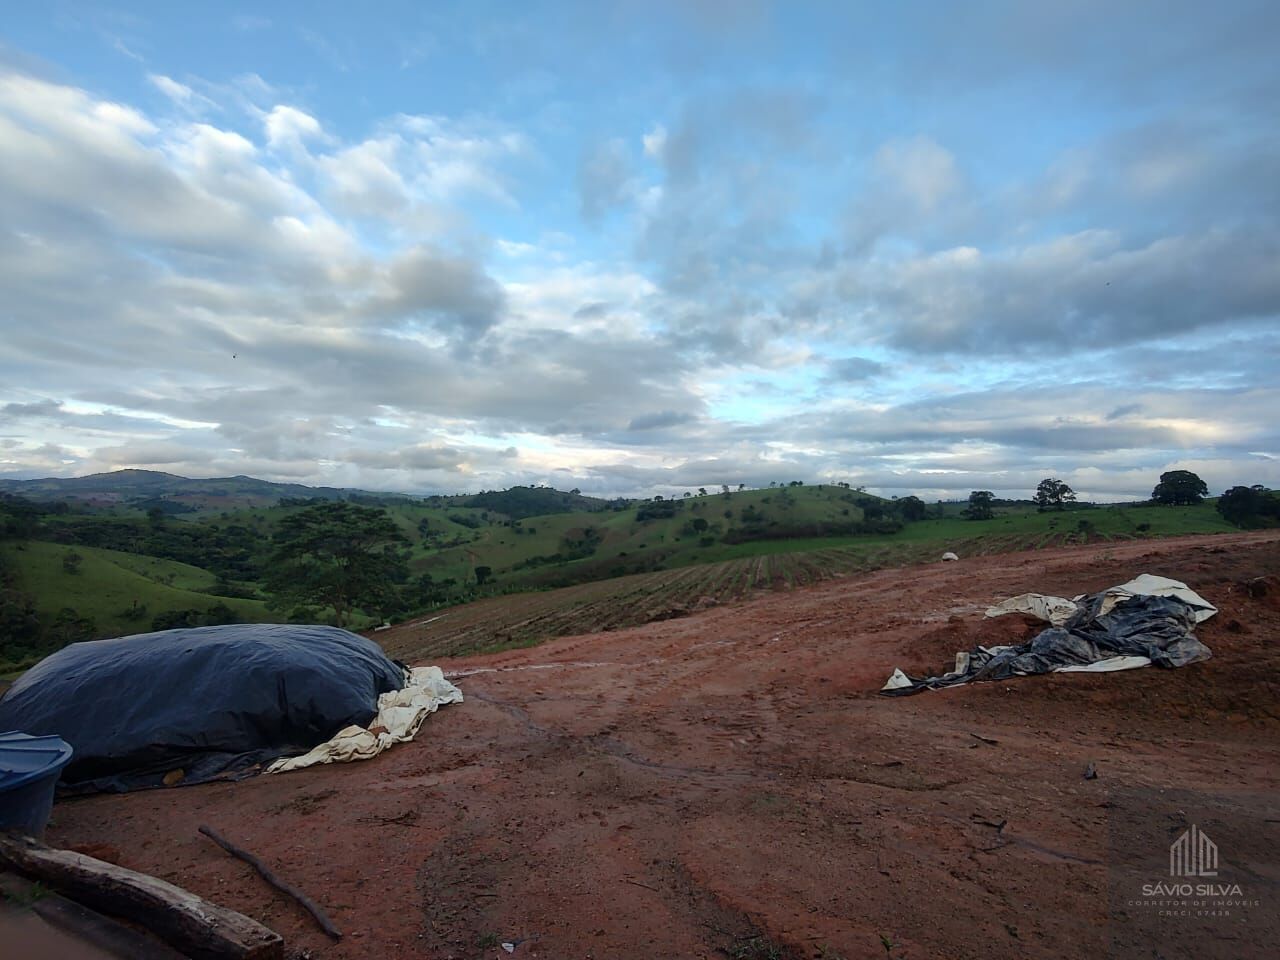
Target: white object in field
(896,679)
(400,714)
(1054,610)
(949,556)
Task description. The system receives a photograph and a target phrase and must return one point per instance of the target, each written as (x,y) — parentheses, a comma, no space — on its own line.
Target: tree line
(1254,506)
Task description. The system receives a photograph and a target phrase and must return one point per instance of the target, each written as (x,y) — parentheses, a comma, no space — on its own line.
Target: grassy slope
(627,540)
(524,619)
(109,581)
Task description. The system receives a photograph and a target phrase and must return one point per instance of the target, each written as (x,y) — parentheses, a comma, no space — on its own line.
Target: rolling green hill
(111,593)
(462,548)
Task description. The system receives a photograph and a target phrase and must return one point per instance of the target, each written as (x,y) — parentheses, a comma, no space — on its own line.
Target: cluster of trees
(341,555)
(233,551)
(1179,488)
(1251,507)
(1254,506)
(521,502)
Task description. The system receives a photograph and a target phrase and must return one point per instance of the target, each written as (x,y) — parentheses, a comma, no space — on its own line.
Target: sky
(641,247)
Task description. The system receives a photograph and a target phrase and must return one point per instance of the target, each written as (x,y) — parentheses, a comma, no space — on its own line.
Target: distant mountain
(151,487)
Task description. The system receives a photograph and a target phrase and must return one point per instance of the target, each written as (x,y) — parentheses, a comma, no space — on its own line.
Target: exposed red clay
(731,782)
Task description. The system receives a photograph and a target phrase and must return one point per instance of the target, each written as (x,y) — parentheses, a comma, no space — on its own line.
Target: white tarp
(400,714)
(1054,610)
(1058,610)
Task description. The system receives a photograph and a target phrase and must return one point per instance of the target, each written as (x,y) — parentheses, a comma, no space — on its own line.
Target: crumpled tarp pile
(400,714)
(1148,620)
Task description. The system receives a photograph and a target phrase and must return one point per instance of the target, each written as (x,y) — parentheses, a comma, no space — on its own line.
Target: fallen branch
(287,888)
(637,883)
(406,819)
(979,736)
(190,923)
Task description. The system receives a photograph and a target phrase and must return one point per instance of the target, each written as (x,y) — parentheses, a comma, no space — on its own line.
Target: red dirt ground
(730,783)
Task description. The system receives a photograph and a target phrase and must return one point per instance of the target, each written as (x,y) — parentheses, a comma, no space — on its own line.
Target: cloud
(603,179)
(38,408)
(1124,410)
(655,142)
(364,180)
(658,421)
(1087,289)
(592,311)
(871,261)
(852,369)
(182,95)
(923,171)
(288,127)
(446,293)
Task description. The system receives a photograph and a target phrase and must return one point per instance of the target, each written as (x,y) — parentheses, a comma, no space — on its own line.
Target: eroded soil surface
(730,784)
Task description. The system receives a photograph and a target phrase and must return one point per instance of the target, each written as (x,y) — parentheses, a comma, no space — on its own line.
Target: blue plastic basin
(29,769)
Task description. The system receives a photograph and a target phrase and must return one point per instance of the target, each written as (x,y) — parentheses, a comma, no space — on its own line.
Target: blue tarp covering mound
(212,702)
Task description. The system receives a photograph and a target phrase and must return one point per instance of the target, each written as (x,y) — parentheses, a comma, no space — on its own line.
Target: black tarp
(211,701)
(1158,628)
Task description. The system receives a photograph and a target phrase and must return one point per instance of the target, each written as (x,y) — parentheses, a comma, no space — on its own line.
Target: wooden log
(193,925)
(283,886)
(79,921)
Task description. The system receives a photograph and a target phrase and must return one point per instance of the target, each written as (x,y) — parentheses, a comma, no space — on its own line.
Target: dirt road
(730,784)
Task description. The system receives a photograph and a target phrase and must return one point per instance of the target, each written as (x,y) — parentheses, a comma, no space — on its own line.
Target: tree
(71,561)
(912,508)
(1053,494)
(337,554)
(980,502)
(1179,488)
(482,574)
(1254,506)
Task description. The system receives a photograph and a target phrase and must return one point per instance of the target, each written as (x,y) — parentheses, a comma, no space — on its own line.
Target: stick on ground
(287,888)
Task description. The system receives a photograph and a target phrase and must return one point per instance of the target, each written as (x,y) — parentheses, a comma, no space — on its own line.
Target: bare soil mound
(729,784)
